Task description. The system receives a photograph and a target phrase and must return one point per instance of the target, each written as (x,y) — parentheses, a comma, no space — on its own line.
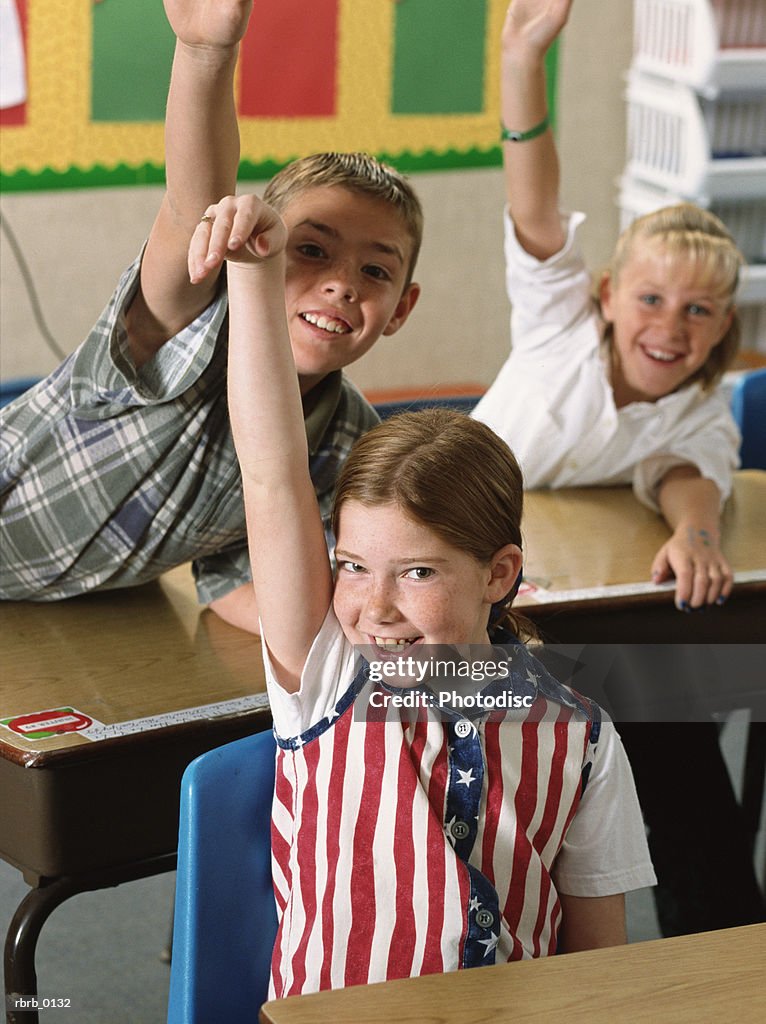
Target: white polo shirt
(552,400)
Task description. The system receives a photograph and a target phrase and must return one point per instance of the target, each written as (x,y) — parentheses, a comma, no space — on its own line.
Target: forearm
(201,160)
(591,922)
(201,133)
(264,397)
(690,502)
(531,166)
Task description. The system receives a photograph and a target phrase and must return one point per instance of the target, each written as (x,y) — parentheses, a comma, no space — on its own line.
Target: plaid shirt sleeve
(110,476)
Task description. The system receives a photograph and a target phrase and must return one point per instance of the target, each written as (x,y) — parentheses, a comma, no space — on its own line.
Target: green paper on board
(132,55)
(439,57)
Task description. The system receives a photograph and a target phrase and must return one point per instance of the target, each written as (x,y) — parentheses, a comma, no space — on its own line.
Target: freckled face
(667,319)
(348,257)
(399,585)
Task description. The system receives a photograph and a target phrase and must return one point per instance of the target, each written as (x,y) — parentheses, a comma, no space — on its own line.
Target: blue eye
(697,310)
(650,300)
(351,567)
(420,572)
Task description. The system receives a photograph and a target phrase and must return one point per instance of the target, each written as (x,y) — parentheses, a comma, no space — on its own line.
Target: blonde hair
(698,237)
(450,473)
(357,172)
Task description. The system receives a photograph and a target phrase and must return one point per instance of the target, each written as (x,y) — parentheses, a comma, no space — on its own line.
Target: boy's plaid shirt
(109,477)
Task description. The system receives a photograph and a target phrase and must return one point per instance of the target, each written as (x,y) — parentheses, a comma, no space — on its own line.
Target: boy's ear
(505,567)
(403,309)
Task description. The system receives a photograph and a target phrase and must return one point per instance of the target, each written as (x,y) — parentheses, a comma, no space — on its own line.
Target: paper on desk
(540,595)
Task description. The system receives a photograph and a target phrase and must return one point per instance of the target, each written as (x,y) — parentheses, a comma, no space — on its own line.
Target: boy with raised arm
(120,465)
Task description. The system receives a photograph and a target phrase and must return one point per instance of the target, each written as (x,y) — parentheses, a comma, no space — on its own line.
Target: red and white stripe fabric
(374,880)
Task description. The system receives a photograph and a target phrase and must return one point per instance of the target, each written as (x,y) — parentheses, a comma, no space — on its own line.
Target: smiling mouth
(394,645)
(332,325)
(659,356)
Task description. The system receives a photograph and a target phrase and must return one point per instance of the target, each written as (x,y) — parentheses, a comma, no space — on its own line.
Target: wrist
(706,532)
(520,63)
(211,57)
(261,266)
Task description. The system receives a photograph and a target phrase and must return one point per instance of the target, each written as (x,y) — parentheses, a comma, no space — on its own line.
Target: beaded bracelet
(508,135)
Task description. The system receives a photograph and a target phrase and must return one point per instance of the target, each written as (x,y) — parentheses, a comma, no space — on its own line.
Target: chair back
(461,403)
(748,406)
(225,920)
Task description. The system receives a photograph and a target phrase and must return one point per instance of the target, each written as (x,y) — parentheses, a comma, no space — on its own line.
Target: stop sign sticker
(42,724)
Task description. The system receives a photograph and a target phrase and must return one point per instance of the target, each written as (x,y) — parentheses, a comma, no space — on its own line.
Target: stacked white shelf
(696,99)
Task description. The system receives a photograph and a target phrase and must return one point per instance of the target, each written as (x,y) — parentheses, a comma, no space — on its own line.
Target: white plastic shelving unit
(696,112)
(710,45)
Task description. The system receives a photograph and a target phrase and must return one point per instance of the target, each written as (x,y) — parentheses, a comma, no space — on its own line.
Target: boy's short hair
(358,172)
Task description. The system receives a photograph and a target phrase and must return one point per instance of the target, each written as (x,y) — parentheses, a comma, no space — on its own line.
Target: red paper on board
(288,59)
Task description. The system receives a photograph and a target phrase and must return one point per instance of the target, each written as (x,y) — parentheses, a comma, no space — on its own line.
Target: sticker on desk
(42,725)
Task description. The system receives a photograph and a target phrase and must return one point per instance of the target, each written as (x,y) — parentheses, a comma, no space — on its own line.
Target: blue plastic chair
(12,389)
(748,406)
(225,919)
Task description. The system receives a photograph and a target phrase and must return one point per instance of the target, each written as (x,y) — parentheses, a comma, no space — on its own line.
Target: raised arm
(288,552)
(201,160)
(531,165)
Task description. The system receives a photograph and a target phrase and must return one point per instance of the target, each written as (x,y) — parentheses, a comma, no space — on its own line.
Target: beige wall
(77,242)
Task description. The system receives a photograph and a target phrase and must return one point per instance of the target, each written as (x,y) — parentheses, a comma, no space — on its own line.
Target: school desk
(104,701)
(589,552)
(713,977)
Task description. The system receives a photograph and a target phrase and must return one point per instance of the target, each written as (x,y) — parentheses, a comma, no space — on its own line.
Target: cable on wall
(29,284)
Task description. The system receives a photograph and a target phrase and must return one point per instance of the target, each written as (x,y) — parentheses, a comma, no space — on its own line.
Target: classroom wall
(76,242)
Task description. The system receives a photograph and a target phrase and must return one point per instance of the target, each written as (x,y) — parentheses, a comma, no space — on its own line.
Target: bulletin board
(84,85)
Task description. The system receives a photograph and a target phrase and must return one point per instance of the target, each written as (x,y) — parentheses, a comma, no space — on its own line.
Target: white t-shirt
(552,400)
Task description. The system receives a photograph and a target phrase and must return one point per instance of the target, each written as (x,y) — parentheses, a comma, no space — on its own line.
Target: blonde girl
(621,389)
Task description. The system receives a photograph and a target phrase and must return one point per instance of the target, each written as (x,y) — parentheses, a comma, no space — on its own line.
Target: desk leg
(21,943)
(35,909)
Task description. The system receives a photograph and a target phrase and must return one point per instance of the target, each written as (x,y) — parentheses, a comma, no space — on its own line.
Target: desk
(160,681)
(592,549)
(710,977)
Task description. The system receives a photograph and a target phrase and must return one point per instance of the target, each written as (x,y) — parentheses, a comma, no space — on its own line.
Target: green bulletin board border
(154,174)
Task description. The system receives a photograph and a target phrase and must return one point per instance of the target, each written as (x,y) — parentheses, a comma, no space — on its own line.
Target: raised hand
(241,229)
(532,25)
(211,23)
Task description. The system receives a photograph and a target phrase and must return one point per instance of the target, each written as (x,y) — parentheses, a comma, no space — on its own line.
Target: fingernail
(720,600)
(684,606)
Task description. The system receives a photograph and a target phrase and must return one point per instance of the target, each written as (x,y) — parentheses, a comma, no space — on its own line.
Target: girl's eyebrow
(348,556)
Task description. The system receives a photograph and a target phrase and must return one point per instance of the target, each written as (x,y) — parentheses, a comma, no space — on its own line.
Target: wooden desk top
(130,660)
(587,538)
(710,977)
